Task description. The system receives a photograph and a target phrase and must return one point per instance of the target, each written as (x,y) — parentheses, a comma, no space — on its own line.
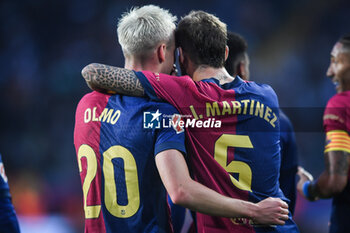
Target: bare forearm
(184,191)
(333,180)
(202,199)
(110,79)
(324,187)
(199,198)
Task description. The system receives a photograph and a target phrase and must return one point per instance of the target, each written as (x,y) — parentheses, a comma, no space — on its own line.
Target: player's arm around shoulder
(110,79)
(184,191)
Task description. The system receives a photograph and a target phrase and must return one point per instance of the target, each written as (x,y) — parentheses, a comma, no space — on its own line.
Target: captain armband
(337,140)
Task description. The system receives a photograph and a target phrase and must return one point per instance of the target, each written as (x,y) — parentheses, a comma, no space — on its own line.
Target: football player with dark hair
(237,63)
(334,180)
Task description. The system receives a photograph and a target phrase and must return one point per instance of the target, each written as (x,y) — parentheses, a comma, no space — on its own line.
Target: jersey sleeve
(334,117)
(162,87)
(289,160)
(288,143)
(169,136)
(334,122)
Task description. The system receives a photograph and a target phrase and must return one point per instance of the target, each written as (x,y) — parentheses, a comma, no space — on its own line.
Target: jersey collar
(235,83)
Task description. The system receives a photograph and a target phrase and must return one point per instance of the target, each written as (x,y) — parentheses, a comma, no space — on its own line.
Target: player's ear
(227,50)
(181,55)
(183,60)
(161,52)
(241,70)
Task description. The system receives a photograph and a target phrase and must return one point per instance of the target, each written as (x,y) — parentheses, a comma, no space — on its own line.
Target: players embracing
(125,167)
(241,159)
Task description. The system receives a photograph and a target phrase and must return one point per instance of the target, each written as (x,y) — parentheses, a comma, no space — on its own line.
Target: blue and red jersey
(116,139)
(336,122)
(289,161)
(181,218)
(232,139)
(8,218)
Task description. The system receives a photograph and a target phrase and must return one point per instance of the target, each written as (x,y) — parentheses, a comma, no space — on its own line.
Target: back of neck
(205,72)
(138,64)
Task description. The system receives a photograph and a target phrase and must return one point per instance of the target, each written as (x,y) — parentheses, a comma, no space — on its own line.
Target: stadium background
(44,45)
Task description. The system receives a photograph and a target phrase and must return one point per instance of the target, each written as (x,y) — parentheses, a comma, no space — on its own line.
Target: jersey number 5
(220,155)
(110,197)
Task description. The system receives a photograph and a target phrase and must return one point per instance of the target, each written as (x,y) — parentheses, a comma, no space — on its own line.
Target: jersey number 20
(110,197)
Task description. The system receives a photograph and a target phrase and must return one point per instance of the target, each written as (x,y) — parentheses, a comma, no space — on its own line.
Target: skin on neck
(138,63)
(148,61)
(205,72)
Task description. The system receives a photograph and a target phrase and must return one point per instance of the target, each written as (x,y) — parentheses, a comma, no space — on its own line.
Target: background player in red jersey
(333,182)
(227,159)
(237,63)
(112,199)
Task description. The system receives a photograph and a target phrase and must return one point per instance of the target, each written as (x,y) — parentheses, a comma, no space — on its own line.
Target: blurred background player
(333,182)
(8,218)
(122,164)
(237,63)
(227,158)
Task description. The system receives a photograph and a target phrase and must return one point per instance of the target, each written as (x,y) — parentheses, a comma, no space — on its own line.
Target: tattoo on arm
(110,79)
(337,163)
(334,178)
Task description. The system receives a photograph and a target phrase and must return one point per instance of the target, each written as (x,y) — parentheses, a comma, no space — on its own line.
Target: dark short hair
(237,49)
(202,36)
(345,40)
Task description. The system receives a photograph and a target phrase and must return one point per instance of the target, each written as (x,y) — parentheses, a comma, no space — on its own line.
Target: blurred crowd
(45,44)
